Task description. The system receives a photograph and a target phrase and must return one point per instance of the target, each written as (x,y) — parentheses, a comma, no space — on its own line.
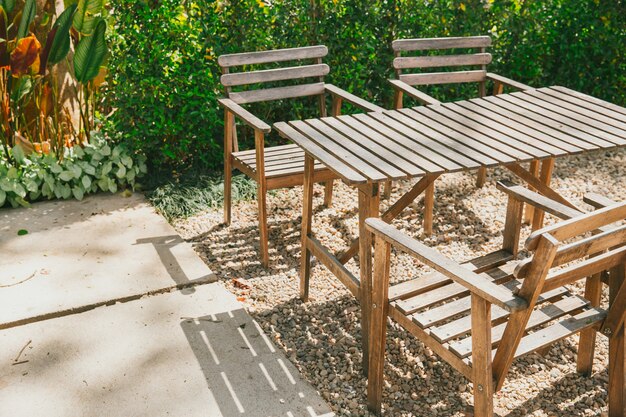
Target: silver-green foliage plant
(97,166)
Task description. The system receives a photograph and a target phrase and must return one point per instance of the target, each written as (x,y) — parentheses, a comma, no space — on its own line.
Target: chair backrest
(246,78)
(429,62)
(584,254)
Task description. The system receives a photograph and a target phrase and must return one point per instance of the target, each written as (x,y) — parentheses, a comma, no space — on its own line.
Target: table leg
(393,211)
(530,209)
(541,188)
(369,202)
(429,206)
(546,175)
(307,216)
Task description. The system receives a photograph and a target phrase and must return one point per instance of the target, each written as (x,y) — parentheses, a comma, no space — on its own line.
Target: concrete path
(90,327)
(78,255)
(172,354)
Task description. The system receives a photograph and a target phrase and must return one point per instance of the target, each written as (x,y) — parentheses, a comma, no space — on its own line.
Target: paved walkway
(186,349)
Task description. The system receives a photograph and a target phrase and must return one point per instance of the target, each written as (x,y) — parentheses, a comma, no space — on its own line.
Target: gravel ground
(322,337)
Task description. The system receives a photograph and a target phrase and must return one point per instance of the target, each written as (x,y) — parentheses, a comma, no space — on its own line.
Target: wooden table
(365,150)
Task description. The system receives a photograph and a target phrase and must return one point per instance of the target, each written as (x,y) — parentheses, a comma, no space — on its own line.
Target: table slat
(458,146)
(397,159)
(428,140)
(317,152)
(525,125)
(339,151)
(363,153)
(591,99)
(519,111)
(586,132)
(454,129)
(423,163)
(586,104)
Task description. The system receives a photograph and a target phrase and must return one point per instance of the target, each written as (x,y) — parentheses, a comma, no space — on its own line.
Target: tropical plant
(31,115)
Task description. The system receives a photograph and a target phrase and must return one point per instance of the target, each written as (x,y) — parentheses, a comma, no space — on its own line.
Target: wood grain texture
(422,44)
(277,74)
(277,55)
(435,61)
(451,77)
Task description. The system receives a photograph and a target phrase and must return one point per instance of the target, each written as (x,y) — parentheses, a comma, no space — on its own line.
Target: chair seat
(280,161)
(442,309)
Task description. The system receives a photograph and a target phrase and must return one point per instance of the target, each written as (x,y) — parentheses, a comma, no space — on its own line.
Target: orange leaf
(25,55)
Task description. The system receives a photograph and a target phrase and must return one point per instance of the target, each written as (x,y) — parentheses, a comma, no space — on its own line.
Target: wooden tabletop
(464,135)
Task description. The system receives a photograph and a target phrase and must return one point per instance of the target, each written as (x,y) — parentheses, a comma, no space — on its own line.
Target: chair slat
(586,268)
(441,61)
(441,43)
(277,93)
(278,74)
(550,312)
(560,330)
(278,55)
(444,77)
(463,325)
(579,225)
(584,247)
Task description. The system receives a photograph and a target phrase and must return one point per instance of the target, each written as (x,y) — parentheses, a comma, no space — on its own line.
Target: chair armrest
(598,201)
(250,119)
(478,285)
(352,99)
(413,92)
(537,200)
(508,82)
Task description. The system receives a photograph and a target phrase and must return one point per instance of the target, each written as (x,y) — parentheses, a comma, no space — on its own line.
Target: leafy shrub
(95,167)
(165,77)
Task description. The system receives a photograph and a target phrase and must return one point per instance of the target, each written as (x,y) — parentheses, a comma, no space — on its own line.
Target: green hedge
(164,80)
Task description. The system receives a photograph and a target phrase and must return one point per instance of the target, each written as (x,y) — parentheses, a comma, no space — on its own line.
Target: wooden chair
(481,315)
(278,166)
(405,83)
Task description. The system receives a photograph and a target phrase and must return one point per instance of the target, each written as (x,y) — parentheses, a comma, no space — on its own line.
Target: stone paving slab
(171,354)
(81,254)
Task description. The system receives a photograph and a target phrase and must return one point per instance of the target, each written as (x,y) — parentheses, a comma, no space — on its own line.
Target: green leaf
(78,193)
(3,197)
(6,185)
(89,169)
(13,173)
(61,43)
(90,54)
(86,181)
(19,189)
(22,232)
(121,171)
(66,176)
(66,192)
(106,168)
(23,87)
(28,15)
(106,150)
(18,154)
(86,18)
(8,6)
(55,168)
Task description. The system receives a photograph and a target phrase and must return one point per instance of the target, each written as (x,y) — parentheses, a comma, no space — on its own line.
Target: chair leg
(617,362)
(228,173)
(328,193)
(262,196)
(481,177)
(264,238)
(530,209)
(617,374)
(378,325)
(228,169)
(481,357)
(587,341)
(307,215)
(429,203)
